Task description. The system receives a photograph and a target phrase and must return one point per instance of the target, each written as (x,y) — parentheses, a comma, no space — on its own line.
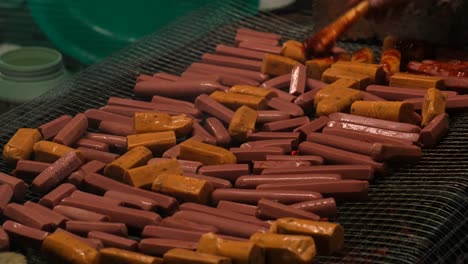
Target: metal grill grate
(417,215)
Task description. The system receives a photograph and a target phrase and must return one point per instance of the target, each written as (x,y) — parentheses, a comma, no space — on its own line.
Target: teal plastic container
(26,73)
(90,30)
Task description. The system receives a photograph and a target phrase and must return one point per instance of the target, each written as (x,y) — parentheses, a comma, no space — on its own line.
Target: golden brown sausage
(120,256)
(20,146)
(242,122)
(392,111)
(135,157)
(328,237)
(184,189)
(47,151)
(277,65)
(157,142)
(280,249)
(159,122)
(409,80)
(144,176)
(205,153)
(62,248)
(294,49)
(184,256)
(433,105)
(240,252)
(236,100)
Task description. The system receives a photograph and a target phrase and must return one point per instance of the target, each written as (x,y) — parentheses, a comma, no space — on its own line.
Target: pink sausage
(79,214)
(246,155)
(177,89)
(346,190)
(6,193)
(54,197)
(91,144)
(273,135)
(266,116)
(356,172)
(373,122)
(226,226)
(171,233)
(282,95)
(132,217)
(285,106)
(257,46)
(56,172)
(312,159)
(298,80)
(324,207)
(252,181)
(54,217)
(279,82)
(110,240)
(363,136)
(285,125)
(312,126)
(101,184)
(210,106)
(227,172)
(166,76)
(239,52)
(184,224)
(338,156)
(27,169)
(218,130)
(435,130)
(111,140)
(215,182)
(50,129)
(239,208)
(240,37)
(286,144)
(159,246)
(231,62)
(258,34)
(92,154)
(18,185)
(89,197)
(402,136)
(132,200)
(222,213)
(166,100)
(84,227)
(4,240)
(254,75)
(267,209)
(253,196)
(99,115)
(23,235)
(23,215)
(72,131)
(116,128)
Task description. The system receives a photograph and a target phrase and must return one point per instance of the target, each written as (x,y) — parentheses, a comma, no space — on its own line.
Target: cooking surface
(418,214)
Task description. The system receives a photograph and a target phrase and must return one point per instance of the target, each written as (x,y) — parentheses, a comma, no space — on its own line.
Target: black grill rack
(418,214)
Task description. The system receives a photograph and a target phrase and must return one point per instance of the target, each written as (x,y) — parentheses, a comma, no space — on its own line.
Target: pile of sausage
(240,159)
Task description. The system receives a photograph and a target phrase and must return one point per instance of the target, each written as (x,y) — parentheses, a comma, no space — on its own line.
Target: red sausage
(50,129)
(72,131)
(56,172)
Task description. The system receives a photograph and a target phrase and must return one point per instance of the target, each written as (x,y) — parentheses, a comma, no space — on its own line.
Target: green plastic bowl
(90,30)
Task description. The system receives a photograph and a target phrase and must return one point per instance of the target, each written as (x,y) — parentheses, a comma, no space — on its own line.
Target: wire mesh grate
(416,215)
